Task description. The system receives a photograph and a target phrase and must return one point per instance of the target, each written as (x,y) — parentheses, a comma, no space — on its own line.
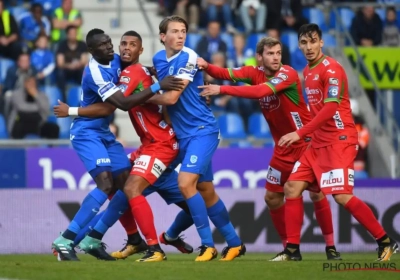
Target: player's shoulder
(187,54)
(288,70)
(160,55)
(329,62)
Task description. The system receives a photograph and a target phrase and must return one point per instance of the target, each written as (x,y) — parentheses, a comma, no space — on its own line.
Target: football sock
(181,223)
(116,207)
(143,216)
(89,208)
(86,229)
(128,222)
(278,219)
(198,211)
(294,213)
(323,215)
(364,215)
(220,218)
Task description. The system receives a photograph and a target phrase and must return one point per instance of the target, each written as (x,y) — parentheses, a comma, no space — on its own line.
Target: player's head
(99,45)
(269,53)
(130,47)
(173,32)
(310,41)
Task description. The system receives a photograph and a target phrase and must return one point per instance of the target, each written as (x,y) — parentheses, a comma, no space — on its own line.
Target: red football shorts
(281,166)
(151,160)
(329,169)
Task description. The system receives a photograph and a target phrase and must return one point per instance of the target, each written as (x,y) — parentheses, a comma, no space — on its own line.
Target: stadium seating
(64,124)
(5,63)
(346,15)
(241,144)
(53,93)
(316,15)
(258,127)
(192,39)
(231,126)
(361,174)
(73,97)
(3,128)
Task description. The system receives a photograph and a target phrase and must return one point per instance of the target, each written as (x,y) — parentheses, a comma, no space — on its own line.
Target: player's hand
(201,63)
(61,111)
(288,139)
(210,90)
(172,83)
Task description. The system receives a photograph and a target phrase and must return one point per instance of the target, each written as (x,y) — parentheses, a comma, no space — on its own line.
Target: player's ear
(258,57)
(321,43)
(141,51)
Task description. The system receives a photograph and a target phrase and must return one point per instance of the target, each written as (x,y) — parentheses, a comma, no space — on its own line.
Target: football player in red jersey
(330,159)
(278,89)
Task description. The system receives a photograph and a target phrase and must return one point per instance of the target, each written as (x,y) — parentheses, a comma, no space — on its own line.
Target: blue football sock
(89,208)
(198,211)
(181,223)
(117,207)
(86,229)
(220,218)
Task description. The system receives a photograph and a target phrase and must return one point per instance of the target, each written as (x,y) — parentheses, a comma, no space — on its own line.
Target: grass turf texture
(183,267)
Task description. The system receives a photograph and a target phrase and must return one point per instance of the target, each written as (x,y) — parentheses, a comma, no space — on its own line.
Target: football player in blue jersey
(103,156)
(198,134)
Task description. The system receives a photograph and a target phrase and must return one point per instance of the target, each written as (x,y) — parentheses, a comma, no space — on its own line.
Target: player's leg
(338,179)
(323,214)
(275,202)
(96,159)
(196,158)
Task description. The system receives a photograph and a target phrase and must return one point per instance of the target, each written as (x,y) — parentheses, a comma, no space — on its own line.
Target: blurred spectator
(285,14)
(72,56)
(360,163)
(115,130)
(216,6)
(30,110)
(63,17)
(42,60)
(274,33)
(366,27)
(189,10)
(9,46)
(33,25)
(253,10)
(391,29)
(16,75)
(239,55)
(49,6)
(212,42)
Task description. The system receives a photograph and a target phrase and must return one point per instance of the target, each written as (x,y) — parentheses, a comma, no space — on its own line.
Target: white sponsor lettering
(158,167)
(351,176)
(314,96)
(338,121)
(102,160)
(297,120)
(296,166)
(142,162)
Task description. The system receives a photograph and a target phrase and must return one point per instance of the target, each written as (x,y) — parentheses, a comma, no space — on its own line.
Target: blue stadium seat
(228,39)
(73,97)
(329,40)
(258,127)
(289,39)
(65,125)
(381,13)
(5,63)
(192,39)
(241,144)
(3,128)
(361,174)
(252,41)
(347,16)
(315,15)
(53,93)
(231,126)
(52,118)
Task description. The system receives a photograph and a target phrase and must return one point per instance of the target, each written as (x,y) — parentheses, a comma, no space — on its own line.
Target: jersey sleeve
(333,84)
(186,66)
(102,83)
(241,74)
(282,80)
(130,79)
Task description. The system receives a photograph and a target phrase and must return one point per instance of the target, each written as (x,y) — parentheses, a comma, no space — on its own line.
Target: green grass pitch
(183,267)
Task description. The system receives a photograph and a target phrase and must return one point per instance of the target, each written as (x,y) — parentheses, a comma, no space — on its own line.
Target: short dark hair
(308,30)
(36,5)
(267,42)
(133,33)
(91,34)
(70,27)
(163,27)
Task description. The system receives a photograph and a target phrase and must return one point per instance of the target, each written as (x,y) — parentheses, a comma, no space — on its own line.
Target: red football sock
(324,218)
(128,222)
(294,214)
(278,219)
(364,215)
(144,218)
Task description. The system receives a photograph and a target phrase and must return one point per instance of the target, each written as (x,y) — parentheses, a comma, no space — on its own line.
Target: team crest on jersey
(193,159)
(333,91)
(119,72)
(333,81)
(316,77)
(283,76)
(171,70)
(325,62)
(124,79)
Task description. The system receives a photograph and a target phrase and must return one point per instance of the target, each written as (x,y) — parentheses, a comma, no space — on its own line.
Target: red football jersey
(326,81)
(286,110)
(147,119)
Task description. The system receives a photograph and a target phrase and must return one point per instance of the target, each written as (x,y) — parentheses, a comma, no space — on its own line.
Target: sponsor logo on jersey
(175,146)
(270,103)
(189,66)
(171,131)
(331,71)
(351,177)
(325,62)
(171,70)
(122,87)
(333,91)
(316,77)
(276,81)
(103,90)
(146,71)
(158,167)
(124,79)
(102,161)
(297,120)
(163,124)
(338,120)
(333,81)
(274,176)
(332,178)
(283,76)
(184,71)
(314,96)
(193,158)
(142,162)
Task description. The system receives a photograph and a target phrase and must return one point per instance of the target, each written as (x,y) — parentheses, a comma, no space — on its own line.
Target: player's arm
(169,97)
(242,74)
(96,110)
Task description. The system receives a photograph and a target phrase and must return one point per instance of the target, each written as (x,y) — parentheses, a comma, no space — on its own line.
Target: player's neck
(315,61)
(102,61)
(171,52)
(269,73)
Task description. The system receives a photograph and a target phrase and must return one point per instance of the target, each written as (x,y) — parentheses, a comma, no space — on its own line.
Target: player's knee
(342,199)
(293,189)
(273,200)
(316,196)
(104,182)
(187,184)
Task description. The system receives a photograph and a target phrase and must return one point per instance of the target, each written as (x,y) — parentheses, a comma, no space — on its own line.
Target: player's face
(271,58)
(311,46)
(130,49)
(175,37)
(102,48)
